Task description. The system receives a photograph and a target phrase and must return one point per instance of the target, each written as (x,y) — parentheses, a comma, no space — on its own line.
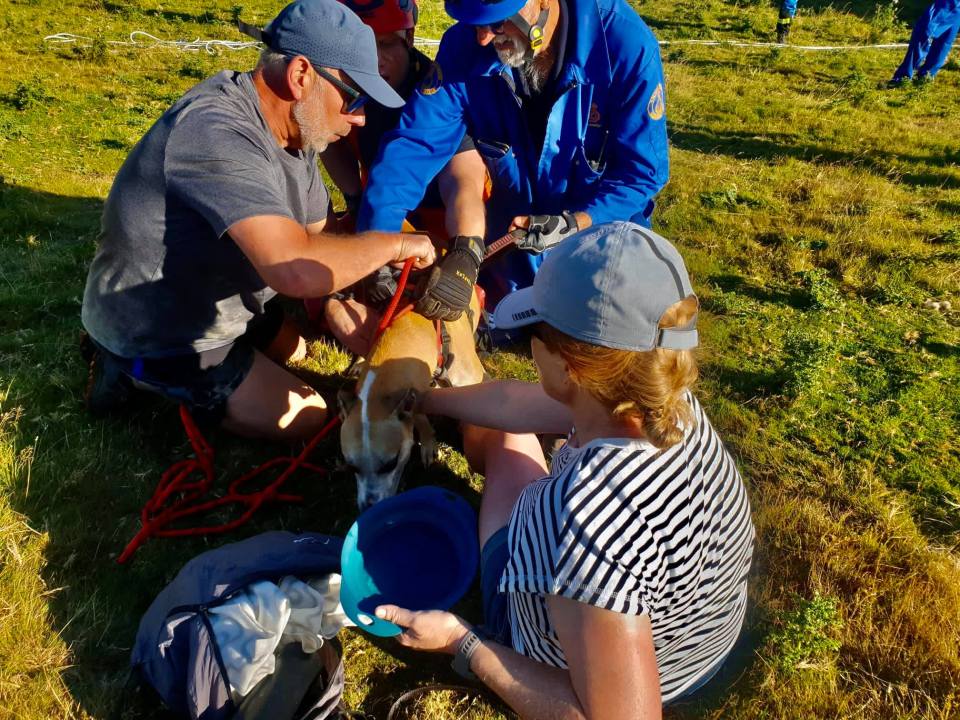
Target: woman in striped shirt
(615,582)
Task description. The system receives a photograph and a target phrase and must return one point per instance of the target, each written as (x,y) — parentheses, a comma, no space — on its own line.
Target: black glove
(449,286)
(545,231)
(380,286)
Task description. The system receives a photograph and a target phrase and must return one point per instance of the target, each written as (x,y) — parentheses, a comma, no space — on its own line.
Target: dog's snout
(371,490)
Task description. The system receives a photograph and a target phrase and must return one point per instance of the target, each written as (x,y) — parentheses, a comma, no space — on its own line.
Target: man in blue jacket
(565,101)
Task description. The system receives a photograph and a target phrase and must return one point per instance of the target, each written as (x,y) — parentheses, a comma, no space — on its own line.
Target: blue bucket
(418,550)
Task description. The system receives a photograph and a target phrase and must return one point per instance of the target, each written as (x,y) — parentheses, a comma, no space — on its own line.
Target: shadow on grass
(796,298)
(940,349)
(89,477)
(745,385)
(769,146)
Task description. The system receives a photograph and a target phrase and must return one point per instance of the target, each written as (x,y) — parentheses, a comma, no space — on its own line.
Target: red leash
(157,514)
(177,497)
(391,313)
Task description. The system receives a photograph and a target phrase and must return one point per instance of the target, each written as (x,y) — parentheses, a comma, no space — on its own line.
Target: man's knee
(271,402)
(288,344)
(477,442)
(352,323)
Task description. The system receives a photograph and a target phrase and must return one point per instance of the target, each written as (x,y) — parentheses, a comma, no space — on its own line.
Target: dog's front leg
(428,439)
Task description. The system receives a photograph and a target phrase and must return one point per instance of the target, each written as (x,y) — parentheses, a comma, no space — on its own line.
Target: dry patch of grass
(33,654)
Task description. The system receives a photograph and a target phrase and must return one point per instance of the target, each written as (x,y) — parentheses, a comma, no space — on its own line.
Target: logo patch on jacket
(594,119)
(432,81)
(656,106)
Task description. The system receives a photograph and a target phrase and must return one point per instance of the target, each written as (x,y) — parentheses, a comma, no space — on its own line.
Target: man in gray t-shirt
(218,208)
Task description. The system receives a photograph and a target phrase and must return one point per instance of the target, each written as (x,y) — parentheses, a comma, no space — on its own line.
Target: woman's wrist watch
(468,645)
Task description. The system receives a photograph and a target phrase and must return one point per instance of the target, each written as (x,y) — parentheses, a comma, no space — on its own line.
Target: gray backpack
(175,652)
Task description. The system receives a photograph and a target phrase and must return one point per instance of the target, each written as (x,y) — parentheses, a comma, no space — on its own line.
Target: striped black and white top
(621,525)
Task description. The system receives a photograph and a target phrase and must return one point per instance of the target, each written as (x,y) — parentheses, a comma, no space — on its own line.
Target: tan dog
(377,435)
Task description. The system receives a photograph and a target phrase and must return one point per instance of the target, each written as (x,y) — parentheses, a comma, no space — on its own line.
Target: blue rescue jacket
(605,150)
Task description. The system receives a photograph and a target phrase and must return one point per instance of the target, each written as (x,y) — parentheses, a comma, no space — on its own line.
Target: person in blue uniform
(565,102)
(788,10)
(930,42)
(352,317)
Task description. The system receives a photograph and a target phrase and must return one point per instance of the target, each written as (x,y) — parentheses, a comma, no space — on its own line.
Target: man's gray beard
(313,130)
(522,58)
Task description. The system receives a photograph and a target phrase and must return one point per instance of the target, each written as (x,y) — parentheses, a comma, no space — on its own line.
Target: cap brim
(376,88)
(485,14)
(516,310)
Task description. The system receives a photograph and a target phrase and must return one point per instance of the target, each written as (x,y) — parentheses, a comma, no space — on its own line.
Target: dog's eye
(389,466)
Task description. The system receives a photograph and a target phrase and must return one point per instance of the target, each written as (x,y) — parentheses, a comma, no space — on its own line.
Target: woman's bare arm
(509,405)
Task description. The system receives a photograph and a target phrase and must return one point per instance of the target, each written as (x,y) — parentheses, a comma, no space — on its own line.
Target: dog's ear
(407,404)
(346,399)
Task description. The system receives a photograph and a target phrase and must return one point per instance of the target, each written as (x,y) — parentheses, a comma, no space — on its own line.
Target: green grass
(818,214)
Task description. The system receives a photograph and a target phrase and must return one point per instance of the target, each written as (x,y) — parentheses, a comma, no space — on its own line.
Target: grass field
(820,217)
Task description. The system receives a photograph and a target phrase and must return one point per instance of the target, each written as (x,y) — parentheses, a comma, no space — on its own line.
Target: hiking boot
(108,389)
(783,32)
(896,83)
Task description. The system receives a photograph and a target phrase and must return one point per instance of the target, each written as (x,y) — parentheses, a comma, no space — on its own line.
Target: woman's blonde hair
(646,386)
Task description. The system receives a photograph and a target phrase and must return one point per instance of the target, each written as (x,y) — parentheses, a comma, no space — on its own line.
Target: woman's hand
(432,630)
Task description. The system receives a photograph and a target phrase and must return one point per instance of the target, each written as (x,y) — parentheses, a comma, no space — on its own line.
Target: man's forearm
(461,185)
(334,262)
(534,690)
(300,264)
(465,216)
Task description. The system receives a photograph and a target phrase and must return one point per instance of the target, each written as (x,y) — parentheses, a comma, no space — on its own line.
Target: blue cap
(608,285)
(418,550)
(482,12)
(329,35)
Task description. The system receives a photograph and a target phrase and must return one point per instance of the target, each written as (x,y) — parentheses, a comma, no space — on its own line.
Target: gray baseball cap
(607,285)
(328,34)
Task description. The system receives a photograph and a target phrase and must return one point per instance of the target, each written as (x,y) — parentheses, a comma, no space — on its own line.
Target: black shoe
(108,389)
(783,32)
(922,80)
(896,83)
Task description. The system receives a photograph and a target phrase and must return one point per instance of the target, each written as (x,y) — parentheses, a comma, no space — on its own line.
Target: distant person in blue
(788,9)
(565,102)
(930,42)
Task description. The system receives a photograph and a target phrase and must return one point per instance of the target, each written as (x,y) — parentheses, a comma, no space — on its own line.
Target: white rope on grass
(784,46)
(141,39)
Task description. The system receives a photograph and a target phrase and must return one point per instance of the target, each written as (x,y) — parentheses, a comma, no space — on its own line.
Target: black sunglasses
(357,99)
(496,28)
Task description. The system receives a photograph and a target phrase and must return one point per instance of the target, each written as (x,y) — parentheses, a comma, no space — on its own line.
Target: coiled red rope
(177,497)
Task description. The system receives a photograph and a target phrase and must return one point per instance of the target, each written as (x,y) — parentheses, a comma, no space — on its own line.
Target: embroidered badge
(594,119)
(656,106)
(432,82)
